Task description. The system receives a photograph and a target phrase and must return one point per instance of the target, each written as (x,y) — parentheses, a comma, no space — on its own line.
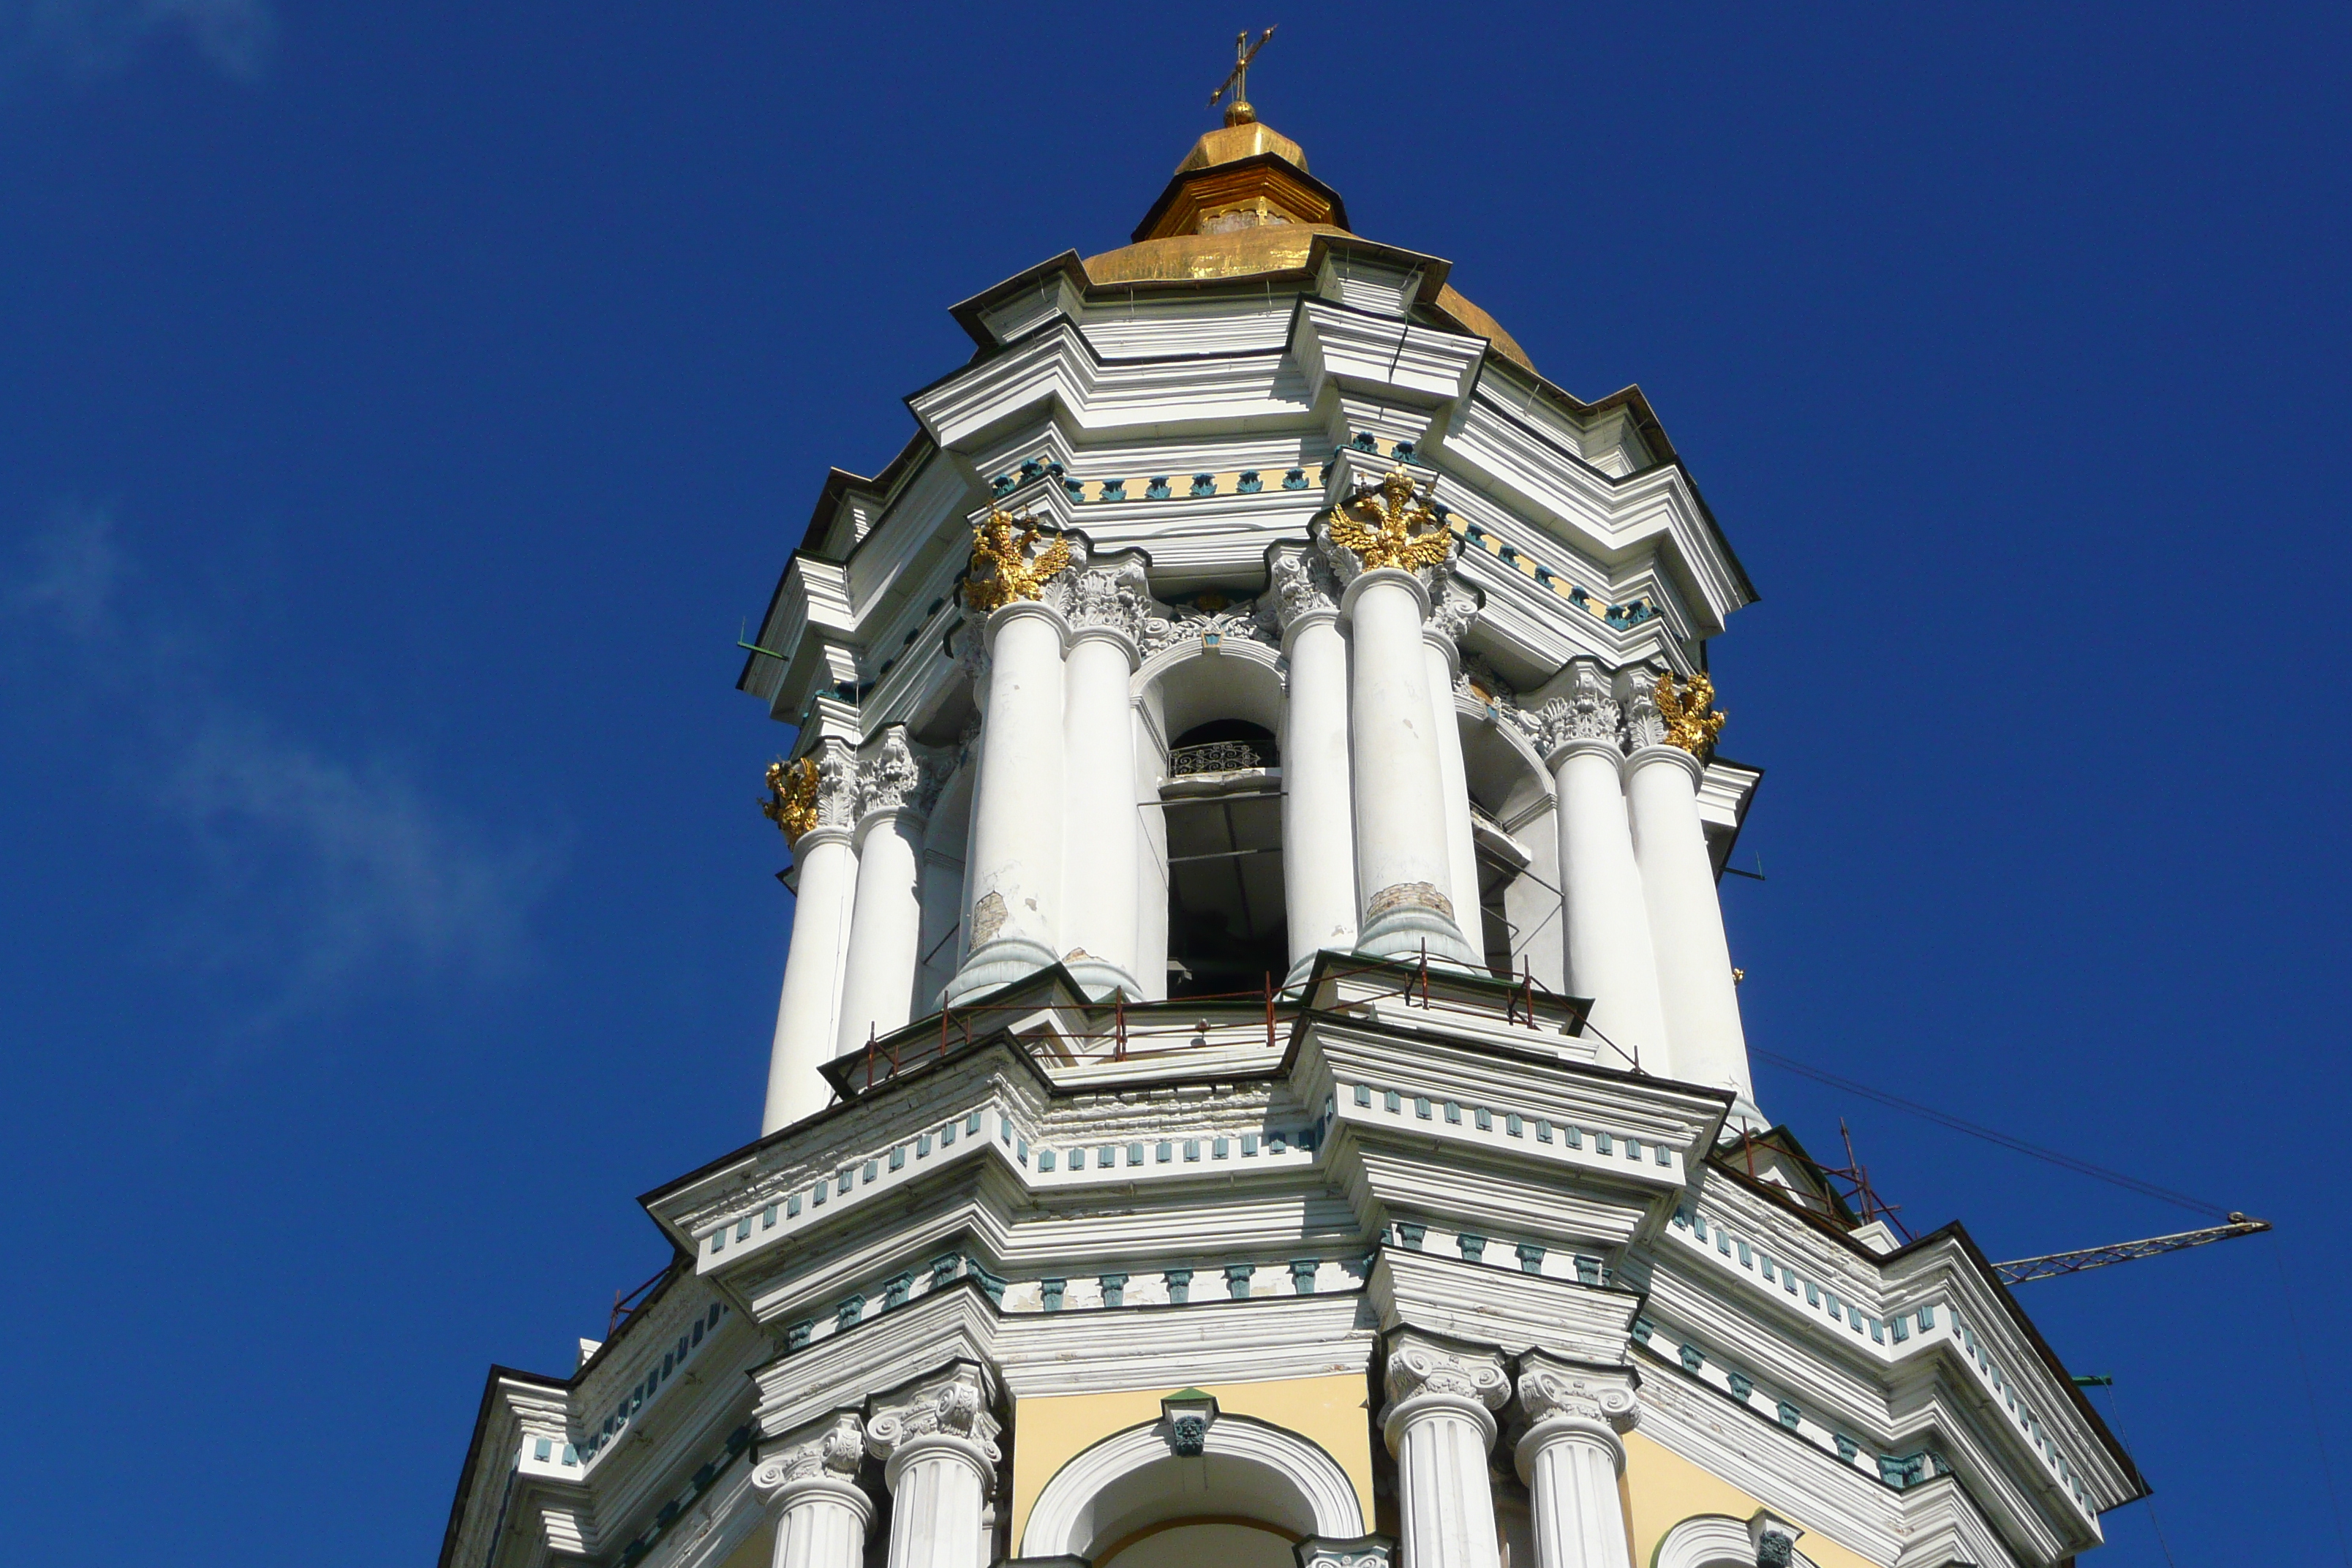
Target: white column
(808,1011)
(1604,916)
(886,931)
(1441,651)
(1704,1036)
(1017,830)
(940,1453)
(1402,870)
(1439,1423)
(1318,819)
(1570,1458)
(821,1513)
(1100,857)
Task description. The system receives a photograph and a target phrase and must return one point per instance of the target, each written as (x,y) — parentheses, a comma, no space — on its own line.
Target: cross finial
(1239,112)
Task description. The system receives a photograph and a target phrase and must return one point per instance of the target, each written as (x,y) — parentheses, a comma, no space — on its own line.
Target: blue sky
(401,404)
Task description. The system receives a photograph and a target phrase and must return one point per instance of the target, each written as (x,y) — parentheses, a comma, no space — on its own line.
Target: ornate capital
(954,1405)
(1388,524)
(1637,697)
(1011,558)
(1589,712)
(899,775)
(833,1454)
(1304,584)
(1688,713)
(1424,1374)
(1547,1391)
(1116,597)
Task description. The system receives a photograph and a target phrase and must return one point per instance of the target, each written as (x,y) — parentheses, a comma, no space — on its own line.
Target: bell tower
(1259,1075)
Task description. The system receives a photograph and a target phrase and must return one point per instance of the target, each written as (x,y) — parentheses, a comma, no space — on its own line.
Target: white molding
(1059,1524)
(1711,1540)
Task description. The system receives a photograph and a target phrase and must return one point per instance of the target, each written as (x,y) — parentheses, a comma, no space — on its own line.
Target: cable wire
(2115,1414)
(2015,1144)
(2311,1397)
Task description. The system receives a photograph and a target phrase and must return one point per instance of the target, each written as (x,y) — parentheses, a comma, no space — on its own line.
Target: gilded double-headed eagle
(1692,723)
(1392,526)
(792,797)
(1003,570)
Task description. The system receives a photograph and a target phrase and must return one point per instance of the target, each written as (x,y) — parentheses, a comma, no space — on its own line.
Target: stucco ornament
(1002,567)
(1690,718)
(1304,584)
(1638,702)
(1588,711)
(1453,615)
(1547,1392)
(957,1407)
(1416,1368)
(1389,525)
(892,776)
(835,1453)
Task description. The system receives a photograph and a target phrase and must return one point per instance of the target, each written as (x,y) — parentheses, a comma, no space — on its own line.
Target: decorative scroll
(1213,757)
(1690,718)
(834,1455)
(1002,568)
(955,1407)
(1391,526)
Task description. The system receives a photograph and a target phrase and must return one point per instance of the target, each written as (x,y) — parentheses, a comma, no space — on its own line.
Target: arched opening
(1227,925)
(1251,1494)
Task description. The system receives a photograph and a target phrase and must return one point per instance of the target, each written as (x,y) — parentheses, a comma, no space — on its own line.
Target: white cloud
(319,874)
(93,38)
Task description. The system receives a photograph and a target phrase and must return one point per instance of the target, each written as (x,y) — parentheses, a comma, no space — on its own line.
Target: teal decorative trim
(1050,1293)
(1114,1289)
(1531,1257)
(1302,1275)
(1411,1235)
(1474,1247)
(1179,1284)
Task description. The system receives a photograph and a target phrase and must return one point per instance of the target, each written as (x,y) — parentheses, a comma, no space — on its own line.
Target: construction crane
(2051,1265)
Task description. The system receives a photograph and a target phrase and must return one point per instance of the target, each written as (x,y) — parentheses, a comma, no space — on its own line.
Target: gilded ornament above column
(1003,568)
(792,797)
(1388,525)
(1690,719)
(818,790)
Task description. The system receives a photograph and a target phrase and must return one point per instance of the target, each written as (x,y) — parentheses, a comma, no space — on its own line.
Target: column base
(1411,919)
(1099,977)
(996,964)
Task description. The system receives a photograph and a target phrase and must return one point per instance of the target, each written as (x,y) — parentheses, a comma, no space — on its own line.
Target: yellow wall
(1664,1488)
(1327,1411)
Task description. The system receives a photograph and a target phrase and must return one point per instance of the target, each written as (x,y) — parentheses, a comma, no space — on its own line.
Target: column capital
(1109,603)
(946,1414)
(1565,1402)
(1426,1375)
(818,790)
(1451,614)
(827,1464)
(1306,588)
(1587,712)
(899,777)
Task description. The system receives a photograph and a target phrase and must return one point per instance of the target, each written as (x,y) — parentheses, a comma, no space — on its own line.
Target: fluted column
(940,1453)
(1439,1423)
(1318,839)
(821,1514)
(1101,853)
(886,930)
(1665,729)
(1016,835)
(1570,1458)
(1442,654)
(815,807)
(1604,915)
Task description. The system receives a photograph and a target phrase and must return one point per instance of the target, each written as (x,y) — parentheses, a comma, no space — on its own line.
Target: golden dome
(1241,204)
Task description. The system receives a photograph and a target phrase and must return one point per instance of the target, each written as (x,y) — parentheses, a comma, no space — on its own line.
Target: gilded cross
(1237,80)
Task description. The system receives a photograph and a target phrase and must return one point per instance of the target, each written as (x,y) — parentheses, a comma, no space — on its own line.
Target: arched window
(1221,802)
